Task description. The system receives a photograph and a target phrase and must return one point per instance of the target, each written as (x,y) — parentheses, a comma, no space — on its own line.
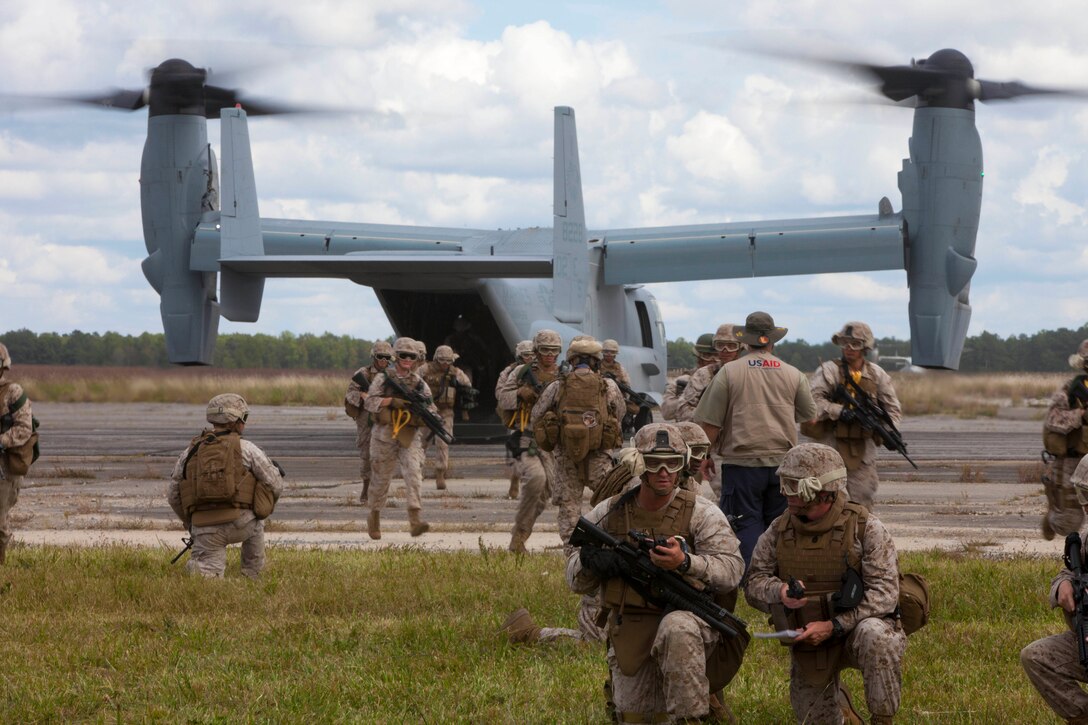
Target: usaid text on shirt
(760,363)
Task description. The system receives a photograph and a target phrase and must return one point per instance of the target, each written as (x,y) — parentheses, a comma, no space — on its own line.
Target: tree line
(1043,351)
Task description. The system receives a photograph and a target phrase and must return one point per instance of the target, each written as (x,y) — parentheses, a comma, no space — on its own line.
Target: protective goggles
(807,488)
(698,451)
(387,358)
(853,345)
(407,355)
(727,345)
(671,462)
(549,350)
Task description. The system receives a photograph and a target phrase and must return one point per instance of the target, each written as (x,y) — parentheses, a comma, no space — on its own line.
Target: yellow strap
(523,418)
(400,419)
(856,375)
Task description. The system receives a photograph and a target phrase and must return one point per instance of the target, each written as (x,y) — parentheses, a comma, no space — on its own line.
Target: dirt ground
(104,468)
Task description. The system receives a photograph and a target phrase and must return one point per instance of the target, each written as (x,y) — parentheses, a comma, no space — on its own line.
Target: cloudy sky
(675,127)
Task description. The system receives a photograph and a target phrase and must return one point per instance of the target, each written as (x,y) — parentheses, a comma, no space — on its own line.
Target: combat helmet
(5,358)
(695,438)
(405,344)
(525,347)
(1079,359)
(381,347)
(661,445)
(421,350)
(855,331)
(704,346)
(584,346)
(610,346)
(809,468)
(547,338)
(445,353)
(227,408)
(725,337)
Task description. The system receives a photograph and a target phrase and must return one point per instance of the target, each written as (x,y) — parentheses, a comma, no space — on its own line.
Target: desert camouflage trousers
(362,442)
(385,454)
(861,484)
(673,681)
(1063,512)
(1053,666)
(587,631)
(876,647)
(441,447)
(209,555)
(538,474)
(573,479)
(9,495)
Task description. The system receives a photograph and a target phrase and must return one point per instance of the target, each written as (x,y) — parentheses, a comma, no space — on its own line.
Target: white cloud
(1043,184)
(711,147)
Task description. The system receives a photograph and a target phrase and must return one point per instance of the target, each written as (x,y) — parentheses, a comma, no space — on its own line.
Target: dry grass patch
(1031,472)
(65,472)
(972,394)
(971,474)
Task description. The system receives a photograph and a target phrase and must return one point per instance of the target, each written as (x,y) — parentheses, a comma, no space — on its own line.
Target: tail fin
(240,230)
(570,253)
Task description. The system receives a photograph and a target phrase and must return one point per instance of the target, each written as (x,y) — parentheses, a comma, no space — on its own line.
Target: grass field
(117,634)
(961,394)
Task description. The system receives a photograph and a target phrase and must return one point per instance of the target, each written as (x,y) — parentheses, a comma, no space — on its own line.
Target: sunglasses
(383,357)
(407,355)
(670,463)
(698,451)
(548,350)
(726,345)
(853,345)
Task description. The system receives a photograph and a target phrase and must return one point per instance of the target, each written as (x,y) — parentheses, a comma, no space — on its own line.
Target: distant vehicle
(897,364)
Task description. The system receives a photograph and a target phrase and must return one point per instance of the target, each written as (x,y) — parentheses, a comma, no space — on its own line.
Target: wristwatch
(683,568)
(836,628)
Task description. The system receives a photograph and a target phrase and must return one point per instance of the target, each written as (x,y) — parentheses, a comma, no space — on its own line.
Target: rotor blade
(118,99)
(1011,90)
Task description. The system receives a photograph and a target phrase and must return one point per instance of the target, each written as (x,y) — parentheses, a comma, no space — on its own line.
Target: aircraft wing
(754,249)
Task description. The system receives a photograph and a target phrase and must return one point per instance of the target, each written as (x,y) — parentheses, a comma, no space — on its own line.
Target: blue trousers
(751,500)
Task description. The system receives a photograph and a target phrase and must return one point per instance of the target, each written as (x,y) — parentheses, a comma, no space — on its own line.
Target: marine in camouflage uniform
(1065,441)
(523,355)
(612,367)
(704,355)
(381,354)
(534,467)
(576,472)
(444,380)
(664,664)
(396,438)
(1053,663)
(212,528)
(17,434)
(835,425)
(698,449)
(814,541)
(750,414)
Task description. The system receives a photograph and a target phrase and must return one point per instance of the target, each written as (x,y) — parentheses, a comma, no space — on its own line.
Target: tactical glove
(605,563)
(846,415)
(526,393)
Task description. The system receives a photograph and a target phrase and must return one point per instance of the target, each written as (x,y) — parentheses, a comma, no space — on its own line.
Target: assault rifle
(666,589)
(419,405)
(633,422)
(1074,562)
(872,417)
(467,396)
(188,541)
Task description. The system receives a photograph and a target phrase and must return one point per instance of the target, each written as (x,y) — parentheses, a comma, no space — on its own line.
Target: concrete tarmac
(104,469)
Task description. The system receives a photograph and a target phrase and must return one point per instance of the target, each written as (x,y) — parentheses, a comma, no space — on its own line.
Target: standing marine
(381,354)
(704,355)
(1065,441)
(396,438)
(17,443)
(222,488)
(523,355)
(449,388)
(836,424)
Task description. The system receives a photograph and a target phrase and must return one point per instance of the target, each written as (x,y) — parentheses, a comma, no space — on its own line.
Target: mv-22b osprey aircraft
(201,223)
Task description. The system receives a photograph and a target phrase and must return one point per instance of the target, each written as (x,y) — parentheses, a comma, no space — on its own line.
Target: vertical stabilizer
(570,253)
(240,231)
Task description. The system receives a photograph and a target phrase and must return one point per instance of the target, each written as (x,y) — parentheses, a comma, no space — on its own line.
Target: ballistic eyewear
(671,463)
(387,358)
(727,345)
(698,451)
(853,345)
(549,350)
(407,355)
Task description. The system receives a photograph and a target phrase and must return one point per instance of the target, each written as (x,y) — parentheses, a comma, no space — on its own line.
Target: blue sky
(670,131)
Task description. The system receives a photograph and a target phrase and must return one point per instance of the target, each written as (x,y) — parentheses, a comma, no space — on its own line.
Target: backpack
(913,607)
(17,460)
(212,470)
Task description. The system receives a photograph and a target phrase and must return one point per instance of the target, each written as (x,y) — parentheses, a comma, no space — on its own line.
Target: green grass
(117,634)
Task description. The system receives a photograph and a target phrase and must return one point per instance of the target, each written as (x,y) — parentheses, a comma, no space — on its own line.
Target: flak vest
(443,389)
(518,419)
(850,437)
(1075,442)
(634,621)
(817,553)
(216,487)
(363,378)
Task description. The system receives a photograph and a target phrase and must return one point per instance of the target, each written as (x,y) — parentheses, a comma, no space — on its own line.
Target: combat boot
(719,711)
(440,479)
(520,627)
(1047,529)
(417,526)
(517,542)
(515,484)
(372,524)
(850,716)
(887,720)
